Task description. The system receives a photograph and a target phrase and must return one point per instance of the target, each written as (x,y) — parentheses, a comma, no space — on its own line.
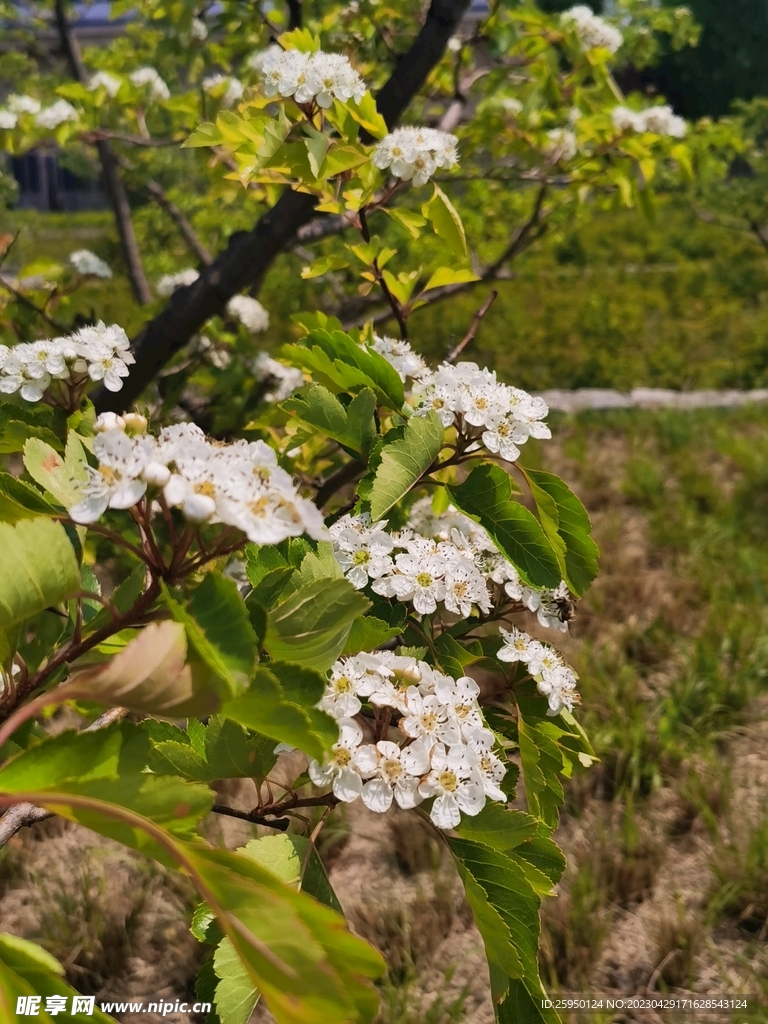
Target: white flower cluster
(659,120)
(414,154)
(238,484)
(319,76)
(562,144)
(282,380)
(249,312)
(168,283)
(555,680)
(226,88)
(97,353)
(499,416)
(149,76)
(9,117)
(257,59)
(104,80)
(444,748)
(400,354)
(592,30)
(58,113)
(439,559)
(88,263)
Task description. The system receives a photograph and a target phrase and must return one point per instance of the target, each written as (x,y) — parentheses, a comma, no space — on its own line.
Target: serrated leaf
(236,995)
(405,461)
(485,496)
(367,116)
(572,525)
(447,275)
(64,478)
(317,145)
(499,827)
(352,426)
(18,500)
(408,218)
(230,752)
(30,583)
(206,134)
(311,626)
(368,633)
(445,221)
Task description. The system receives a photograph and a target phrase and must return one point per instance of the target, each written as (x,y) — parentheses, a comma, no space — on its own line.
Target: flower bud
(135,422)
(199,508)
(108,421)
(156,474)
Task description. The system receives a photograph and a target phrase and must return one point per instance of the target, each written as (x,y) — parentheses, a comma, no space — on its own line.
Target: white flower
(117,482)
(429,719)
(562,145)
(257,59)
(455,784)
(8,119)
(282,380)
(340,699)
(487,765)
(23,104)
(392,772)
(224,87)
(59,112)
(459,697)
(417,580)
(518,646)
(198,29)
(400,354)
(659,120)
(625,119)
(88,263)
(149,76)
(592,30)
(104,80)
(249,312)
(559,686)
(464,588)
(108,421)
(414,154)
(363,554)
(168,283)
(342,768)
(512,105)
(319,77)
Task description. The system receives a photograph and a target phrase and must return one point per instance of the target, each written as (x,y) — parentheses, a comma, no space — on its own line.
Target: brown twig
(182,223)
(25,301)
(267,814)
(97,135)
(456,351)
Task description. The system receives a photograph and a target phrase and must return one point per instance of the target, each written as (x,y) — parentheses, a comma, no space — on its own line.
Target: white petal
(445,811)
(407,793)
(90,510)
(347,785)
(377,795)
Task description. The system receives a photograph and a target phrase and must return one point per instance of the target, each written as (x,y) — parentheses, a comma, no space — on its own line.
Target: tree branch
(249,255)
(455,352)
(112,181)
(25,301)
(194,243)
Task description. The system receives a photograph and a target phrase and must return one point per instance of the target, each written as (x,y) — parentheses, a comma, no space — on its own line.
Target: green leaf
(30,582)
(18,500)
(448,275)
(572,525)
(18,425)
(231,752)
(27,970)
(259,561)
(368,633)
(404,462)
(323,265)
(445,221)
(317,145)
(206,134)
(311,626)
(408,218)
(498,827)
(367,116)
(219,629)
(236,995)
(268,709)
(64,478)
(353,426)
(485,496)
(542,765)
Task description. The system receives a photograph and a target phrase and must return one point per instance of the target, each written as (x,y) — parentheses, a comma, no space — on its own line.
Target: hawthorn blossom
(117,483)
(104,80)
(58,113)
(392,772)
(562,145)
(455,784)
(414,154)
(249,312)
(23,104)
(149,76)
(363,554)
(282,380)
(659,120)
(8,119)
(554,679)
(320,77)
(88,263)
(592,30)
(224,87)
(400,355)
(341,770)
(419,580)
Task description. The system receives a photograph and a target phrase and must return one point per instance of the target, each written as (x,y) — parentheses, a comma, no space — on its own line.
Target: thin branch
(97,135)
(294,14)
(25,301)
(112,180)
(193,241)
(268,814)
(455,352)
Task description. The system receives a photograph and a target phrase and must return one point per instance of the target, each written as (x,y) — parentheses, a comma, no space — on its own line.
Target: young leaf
(30,583)
(448,275)
(367,116)
(404,462)
(485,496)
(368,633)
(445,221)
(573,526)
(151,675)
(62,477)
